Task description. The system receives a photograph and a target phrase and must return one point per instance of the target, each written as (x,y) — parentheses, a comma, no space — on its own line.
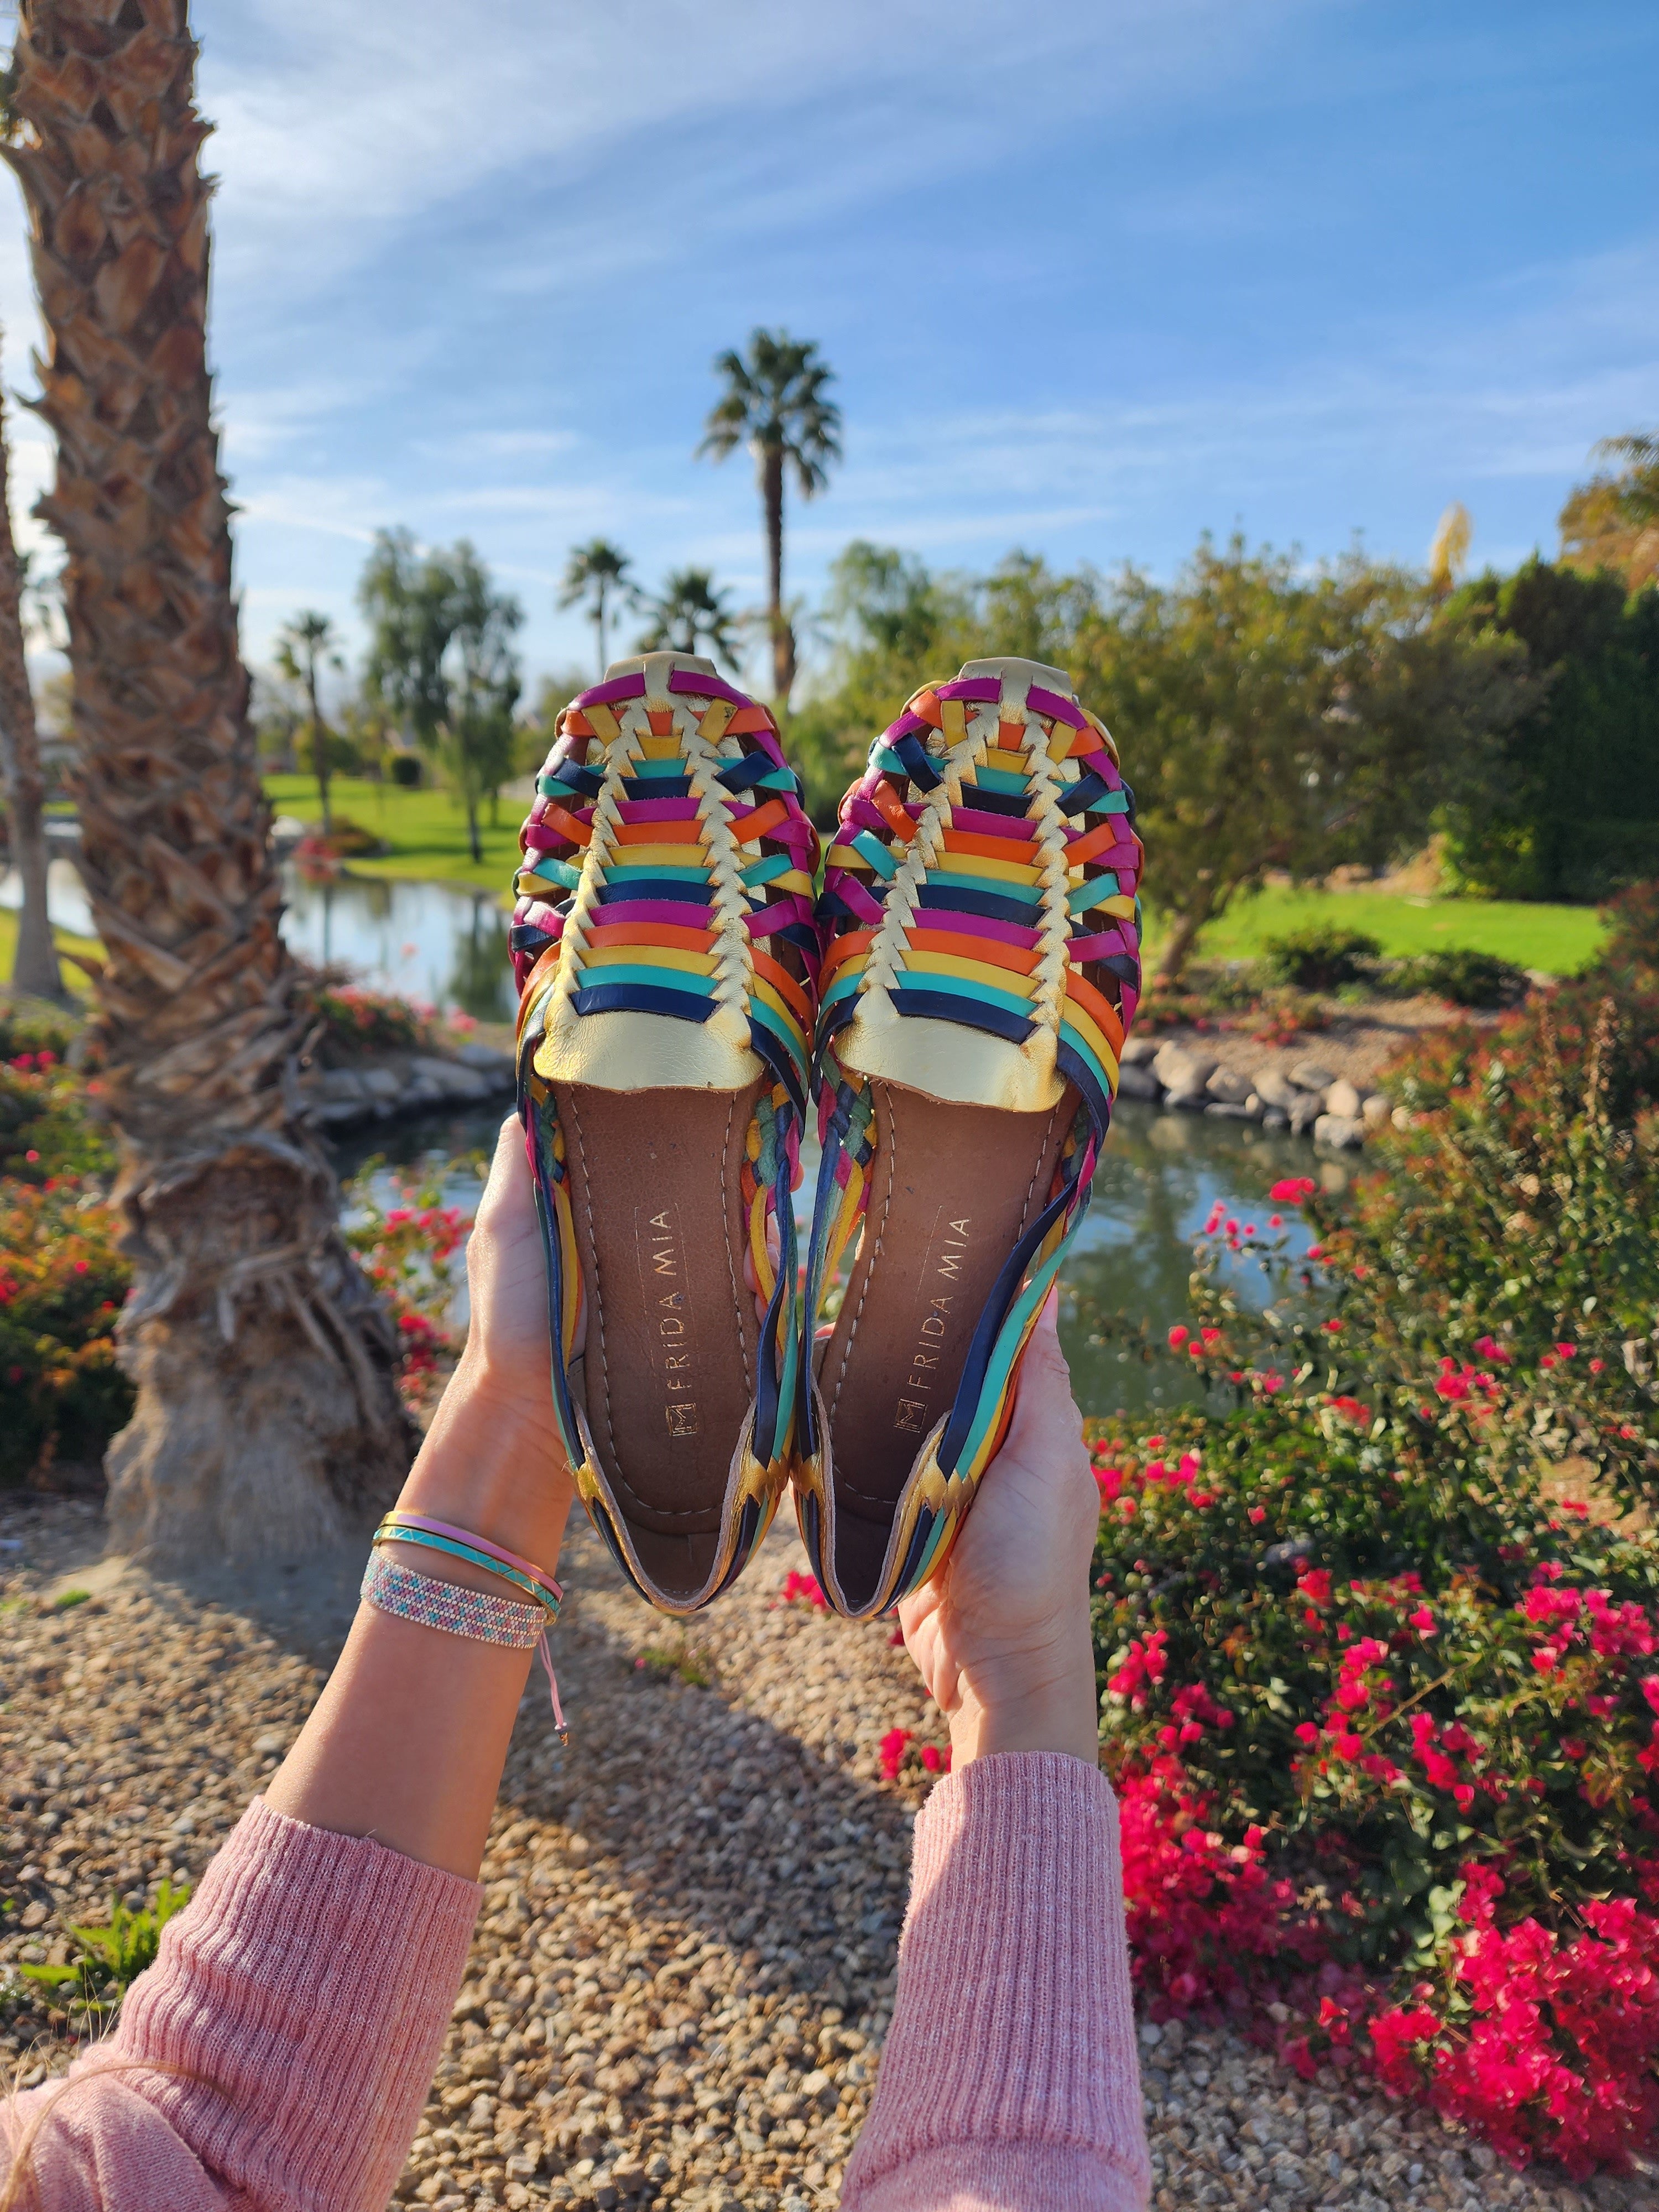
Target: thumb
(1045,1412)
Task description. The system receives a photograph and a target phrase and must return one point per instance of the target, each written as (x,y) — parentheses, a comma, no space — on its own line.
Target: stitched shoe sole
(982,966)
(666,967)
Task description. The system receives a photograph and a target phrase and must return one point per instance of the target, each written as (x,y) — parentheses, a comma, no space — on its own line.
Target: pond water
(1159,1178)
(438,945)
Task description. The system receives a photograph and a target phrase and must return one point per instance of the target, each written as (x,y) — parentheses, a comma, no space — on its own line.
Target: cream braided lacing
(734,947)
(622,746)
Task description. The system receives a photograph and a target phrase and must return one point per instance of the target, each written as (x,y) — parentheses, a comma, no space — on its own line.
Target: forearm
(1010,2075)
(409,1739)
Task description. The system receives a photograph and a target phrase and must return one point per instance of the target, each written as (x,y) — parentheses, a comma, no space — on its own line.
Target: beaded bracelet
(437,1536)
(407,1594)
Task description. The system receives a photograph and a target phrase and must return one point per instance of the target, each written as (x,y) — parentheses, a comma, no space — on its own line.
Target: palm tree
(267,1415)
(1448,552)
(687,613)
(598,572)
(775,403)
(34,965)
(300,644)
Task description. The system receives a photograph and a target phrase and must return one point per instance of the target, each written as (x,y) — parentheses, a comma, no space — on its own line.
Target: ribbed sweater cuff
(1013,2028)
(309,1987)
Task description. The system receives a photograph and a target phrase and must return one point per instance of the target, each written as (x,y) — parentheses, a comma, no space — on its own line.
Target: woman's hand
(1002,1637)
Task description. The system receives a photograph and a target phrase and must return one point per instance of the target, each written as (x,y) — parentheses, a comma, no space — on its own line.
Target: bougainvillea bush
(1380,1648)
(413,1251)
(62,1285)
(348,1020)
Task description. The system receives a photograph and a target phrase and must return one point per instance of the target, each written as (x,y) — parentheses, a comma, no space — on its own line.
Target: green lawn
(425,829)
(1559,940)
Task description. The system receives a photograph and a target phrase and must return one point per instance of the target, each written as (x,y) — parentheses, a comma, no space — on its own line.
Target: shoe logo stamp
(662,1254)
(914,1415)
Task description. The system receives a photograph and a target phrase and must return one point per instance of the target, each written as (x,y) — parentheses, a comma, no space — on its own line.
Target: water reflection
(439,945)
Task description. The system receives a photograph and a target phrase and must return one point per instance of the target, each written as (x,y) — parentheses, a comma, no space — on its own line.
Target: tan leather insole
(667,1373)
(954,1187)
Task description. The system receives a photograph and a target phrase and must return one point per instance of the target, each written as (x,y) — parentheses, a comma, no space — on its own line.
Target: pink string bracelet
(430,1602)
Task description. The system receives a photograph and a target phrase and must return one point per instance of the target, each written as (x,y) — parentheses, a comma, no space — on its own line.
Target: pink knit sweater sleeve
(276,2057)
(1010,2075)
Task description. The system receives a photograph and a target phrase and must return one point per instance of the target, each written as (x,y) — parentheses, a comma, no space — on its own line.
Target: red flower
(893,1746)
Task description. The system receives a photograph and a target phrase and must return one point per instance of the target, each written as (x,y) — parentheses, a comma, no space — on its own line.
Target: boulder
(1139,1052)
(1230,1087)
(1274,1117)
(497,1066)
(1225,1111)
(1375,1110)
(1182,1072)
(1137,1081)
(1273,1087)
(1342,1098)
(1309,1075)
(340,1086)
(1343,1131)
(1305,1110)
(382,1085)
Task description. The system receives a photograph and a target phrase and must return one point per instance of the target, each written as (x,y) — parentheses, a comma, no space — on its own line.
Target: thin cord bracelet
(406,1594)
(401,1518)
(387,1534)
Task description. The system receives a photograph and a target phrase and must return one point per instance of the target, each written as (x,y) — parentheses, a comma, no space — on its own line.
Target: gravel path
(684,1972)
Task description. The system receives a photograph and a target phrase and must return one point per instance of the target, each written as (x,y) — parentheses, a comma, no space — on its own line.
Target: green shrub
(1632,949)
(1321,957)
(45,1133)
(62,1283)
(1382,1708)
(353,1021)
(1467,978)
(414,1254)
(405,770)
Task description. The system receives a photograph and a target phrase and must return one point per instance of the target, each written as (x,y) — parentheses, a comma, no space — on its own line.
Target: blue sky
(1096,275)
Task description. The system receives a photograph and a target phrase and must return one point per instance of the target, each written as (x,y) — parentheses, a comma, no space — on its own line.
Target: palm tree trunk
(783,640)
(34,965)
(598,625)
(319,745)
(267,1416)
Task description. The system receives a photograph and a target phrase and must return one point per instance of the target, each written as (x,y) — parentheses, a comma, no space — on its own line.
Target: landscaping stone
(1343,1131)
(1304,1110)
(1274,1117)
(684,1968)
(1137,1081)
(1310,1075)
(1141,1051)
(1183,1073)
(1375,1110)
(1273,1087)
(1230,1086)
(1342,1098)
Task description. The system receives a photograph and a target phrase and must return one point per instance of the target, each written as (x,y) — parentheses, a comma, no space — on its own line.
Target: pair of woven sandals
(953,999)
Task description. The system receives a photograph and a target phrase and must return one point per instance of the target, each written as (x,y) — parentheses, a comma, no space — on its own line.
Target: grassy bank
(426,829)
(1559,940)
(72,976)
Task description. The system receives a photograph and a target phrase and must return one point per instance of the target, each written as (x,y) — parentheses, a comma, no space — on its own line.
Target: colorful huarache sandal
(668,969)
(982,967)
